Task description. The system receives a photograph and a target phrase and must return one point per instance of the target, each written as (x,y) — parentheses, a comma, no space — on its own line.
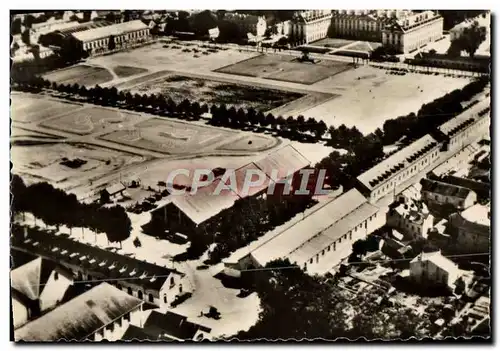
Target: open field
(369,96)
(286,68)
(91,120)
(332,43)
(170,137)
(127,71)
(42,162)
(302,104)
(180,87)
(31,108)
(81,74)
(174,59)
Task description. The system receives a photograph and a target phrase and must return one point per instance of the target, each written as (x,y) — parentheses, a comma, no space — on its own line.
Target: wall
(115,330)
(425,272)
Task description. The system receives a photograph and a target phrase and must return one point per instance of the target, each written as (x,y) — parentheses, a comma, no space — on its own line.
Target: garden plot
(81,74)
(91,120)
(127,71)
(180,87)
(66,165)
(26,108)
(286,68)
(370,96)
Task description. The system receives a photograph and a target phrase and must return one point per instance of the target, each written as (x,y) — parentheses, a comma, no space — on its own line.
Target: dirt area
(180,87)
(286,68)
(156,55)
(332,43)
(42,162)
(369,96)
(91,120)
(27,108)
(81,74)
(127,71)
(302,104)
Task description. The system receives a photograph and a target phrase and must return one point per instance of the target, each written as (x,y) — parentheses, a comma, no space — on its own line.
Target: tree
(111,43)
(472,37)
(25,36)
(117,225)
(18,195)
(16,26)
(203,21)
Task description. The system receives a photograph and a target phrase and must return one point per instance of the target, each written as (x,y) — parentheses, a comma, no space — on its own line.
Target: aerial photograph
(250,175)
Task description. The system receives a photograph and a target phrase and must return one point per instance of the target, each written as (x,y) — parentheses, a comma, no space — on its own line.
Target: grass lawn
(332,43)
(30,108)
(286,68)
(127,71)
(180,87)
(81,74)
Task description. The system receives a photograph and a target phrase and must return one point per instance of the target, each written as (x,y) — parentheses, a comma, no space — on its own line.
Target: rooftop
(172,325)
(30,278)
(479,214)
(114,29)
(397,162)
(96,261)
(470,114)
(296,236)
(444,189)
(438,259)
(80,317)
(414,211)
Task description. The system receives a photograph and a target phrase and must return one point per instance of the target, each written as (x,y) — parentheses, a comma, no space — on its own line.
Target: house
(150,282)
(482,189)
(439,193)
(411,218)
(470,230)
(395,249)
(103,312)
(167,326)
(113,191)
(433,270)
(37,287)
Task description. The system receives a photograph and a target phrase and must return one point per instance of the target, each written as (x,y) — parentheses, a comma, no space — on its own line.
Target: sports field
(286,68)
(91,120)
(29,108)
(81,74)
(180,87)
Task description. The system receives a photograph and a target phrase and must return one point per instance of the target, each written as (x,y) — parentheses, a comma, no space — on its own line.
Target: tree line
(159,104)
(55,208)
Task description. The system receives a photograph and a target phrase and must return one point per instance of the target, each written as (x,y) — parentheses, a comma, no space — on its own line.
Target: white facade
(433,269)
(55,289)
(20,313)
(311,25)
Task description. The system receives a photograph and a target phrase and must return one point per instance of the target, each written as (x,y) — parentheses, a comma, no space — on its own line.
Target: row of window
(119,39)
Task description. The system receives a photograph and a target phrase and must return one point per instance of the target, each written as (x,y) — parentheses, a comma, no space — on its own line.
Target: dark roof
(98,262)
(134,333)
(172,325)
(444,189)
(80,317)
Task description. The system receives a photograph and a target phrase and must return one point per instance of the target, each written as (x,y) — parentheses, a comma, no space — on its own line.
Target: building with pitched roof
(255,25)
(434,270)
(411,218)
(412,31)
(387,176)
(98,40)
(188,211)
(37,286)
(471,229)
(103,312)
(439,193)
(152,283)
(310,25)
(321,240)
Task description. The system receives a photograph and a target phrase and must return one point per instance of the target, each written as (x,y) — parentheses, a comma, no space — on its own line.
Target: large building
(402,30)
(387,177)
(439,193)
(186,213)
(433,270)
(319,241)
(97,40)
(152,283)
(308,26)
(411,218)
(470,229)
(103,312)
(37,287)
